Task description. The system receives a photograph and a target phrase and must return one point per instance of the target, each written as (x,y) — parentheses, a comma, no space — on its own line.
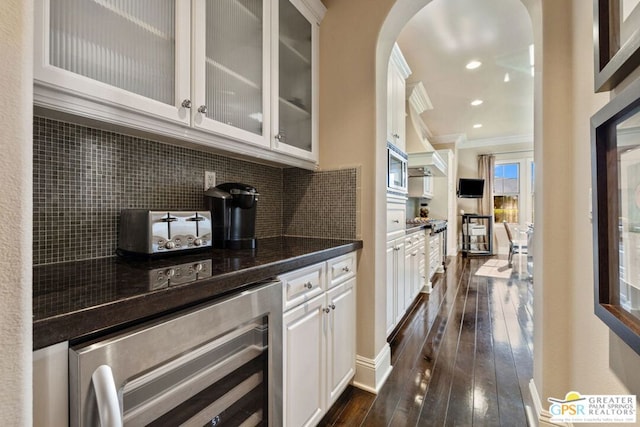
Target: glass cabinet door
(128,52)
(295,104)
(230,55)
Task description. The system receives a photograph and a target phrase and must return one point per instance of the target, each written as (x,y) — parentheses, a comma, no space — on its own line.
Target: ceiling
(442,38)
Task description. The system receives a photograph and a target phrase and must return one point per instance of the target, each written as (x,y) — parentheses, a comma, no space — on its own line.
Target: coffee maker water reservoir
(233,213)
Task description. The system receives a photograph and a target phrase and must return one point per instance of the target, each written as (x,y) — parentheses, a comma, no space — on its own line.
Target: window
(506,192)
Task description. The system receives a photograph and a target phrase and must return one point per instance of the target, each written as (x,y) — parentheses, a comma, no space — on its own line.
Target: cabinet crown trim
(398,59)
(317,9)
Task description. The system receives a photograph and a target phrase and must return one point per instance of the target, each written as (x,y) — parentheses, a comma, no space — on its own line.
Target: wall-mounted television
(470,188)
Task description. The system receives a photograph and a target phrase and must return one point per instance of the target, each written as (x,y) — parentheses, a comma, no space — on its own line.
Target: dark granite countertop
(412,228)
(75,300)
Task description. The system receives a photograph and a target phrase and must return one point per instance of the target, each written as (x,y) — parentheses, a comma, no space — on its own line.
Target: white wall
(16,51)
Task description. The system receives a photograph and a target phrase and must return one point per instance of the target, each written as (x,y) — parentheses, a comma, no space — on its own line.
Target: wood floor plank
(350,409)
(460,407)
(436,402)
(485,402)
(510,404)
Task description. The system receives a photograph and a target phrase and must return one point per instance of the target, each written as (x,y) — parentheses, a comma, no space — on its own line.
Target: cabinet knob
(346,269)
(202,109)
(333,306)
(395,135)
(397,221)
(308,285)
(326,310)
(414,254)
(186,103)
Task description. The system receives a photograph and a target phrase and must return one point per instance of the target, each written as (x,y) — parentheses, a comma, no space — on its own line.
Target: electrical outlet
(209,180)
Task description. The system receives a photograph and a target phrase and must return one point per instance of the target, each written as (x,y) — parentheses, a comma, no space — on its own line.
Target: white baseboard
(542,416)
(427,288)
(371,374)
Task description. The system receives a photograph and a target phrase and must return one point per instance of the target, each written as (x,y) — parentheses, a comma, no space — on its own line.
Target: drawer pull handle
(308,285)
(397,221)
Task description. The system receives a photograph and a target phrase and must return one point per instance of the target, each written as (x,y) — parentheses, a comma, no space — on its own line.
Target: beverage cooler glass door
(216,364)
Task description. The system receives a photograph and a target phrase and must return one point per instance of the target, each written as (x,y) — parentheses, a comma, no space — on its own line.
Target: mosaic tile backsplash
(320,204)
(83,177)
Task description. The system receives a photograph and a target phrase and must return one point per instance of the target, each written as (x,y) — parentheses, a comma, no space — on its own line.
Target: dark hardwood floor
(462,357)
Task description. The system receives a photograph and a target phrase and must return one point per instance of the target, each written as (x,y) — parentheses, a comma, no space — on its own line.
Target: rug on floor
(498,268)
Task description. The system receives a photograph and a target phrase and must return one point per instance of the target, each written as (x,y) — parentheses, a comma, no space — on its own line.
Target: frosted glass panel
(234,63)
(295,77)
(129,44)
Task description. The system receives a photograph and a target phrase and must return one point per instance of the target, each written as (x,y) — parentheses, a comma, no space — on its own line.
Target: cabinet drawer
(302,285)
(342,268)
(396,217)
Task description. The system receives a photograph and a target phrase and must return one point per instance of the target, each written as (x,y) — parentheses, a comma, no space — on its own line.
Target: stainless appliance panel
(160,231)
(397,172)
(152,232)
(158,365)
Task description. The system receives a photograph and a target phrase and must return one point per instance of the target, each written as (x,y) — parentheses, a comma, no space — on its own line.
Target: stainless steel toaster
(149,232)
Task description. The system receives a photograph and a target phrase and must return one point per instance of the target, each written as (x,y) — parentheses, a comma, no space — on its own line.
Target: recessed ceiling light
(473,65)
(476,102)
(477,126)
(507,79)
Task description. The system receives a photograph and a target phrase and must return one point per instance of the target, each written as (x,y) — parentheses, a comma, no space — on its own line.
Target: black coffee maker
(233,213)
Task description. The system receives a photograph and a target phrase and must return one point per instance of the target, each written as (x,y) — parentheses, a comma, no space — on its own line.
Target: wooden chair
(515,247)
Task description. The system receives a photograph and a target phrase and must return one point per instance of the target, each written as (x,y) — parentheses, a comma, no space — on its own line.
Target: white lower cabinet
(435,254)
(304,364)
(415,265)
(395,282)
(318,339)
(405,275)
(341,338)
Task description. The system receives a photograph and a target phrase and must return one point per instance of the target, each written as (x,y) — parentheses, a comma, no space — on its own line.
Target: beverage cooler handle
(106,397)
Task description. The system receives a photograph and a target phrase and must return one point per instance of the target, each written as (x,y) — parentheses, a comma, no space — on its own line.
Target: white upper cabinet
(296,75)
(132,55)
(236,75)
(398,71)
(231,68)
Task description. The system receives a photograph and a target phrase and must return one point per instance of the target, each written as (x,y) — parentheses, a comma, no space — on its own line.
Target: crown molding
(418,97)
(501,140)
(398,59)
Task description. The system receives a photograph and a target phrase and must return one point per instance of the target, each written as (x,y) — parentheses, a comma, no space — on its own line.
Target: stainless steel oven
(397,173)
(215,364)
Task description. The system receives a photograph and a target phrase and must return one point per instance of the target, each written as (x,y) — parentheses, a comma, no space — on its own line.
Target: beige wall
(16,51)
(348,135)
(594,348)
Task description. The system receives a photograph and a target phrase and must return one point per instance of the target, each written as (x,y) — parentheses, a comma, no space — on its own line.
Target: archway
(352,131)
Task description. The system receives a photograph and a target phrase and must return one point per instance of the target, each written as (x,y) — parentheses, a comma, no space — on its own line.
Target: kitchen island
(79,300)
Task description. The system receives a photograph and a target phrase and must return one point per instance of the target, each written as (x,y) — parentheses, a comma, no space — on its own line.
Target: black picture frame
(607,217)
(615,55)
